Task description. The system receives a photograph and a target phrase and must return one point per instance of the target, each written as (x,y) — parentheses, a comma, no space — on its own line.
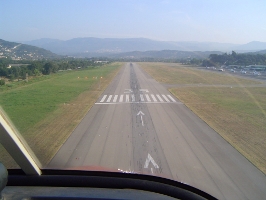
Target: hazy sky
(232,21)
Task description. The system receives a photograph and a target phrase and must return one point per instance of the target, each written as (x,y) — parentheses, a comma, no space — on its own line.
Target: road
(138,126)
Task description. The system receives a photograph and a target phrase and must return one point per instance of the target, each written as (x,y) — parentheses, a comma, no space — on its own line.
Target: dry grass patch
(237,114)
(174,73)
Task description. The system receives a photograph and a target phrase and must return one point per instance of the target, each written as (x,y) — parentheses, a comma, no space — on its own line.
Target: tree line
(235,59)
(41,67)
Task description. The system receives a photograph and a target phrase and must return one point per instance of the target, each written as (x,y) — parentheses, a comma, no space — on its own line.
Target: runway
(137,126)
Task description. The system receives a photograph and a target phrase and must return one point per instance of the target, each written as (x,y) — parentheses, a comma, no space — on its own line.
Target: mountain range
(130,49)
(107,46)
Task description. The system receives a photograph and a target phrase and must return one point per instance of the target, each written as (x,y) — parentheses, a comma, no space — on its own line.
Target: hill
(18,51)
(107,46)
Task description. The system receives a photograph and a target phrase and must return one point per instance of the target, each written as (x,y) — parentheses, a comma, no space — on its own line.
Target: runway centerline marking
(133,97)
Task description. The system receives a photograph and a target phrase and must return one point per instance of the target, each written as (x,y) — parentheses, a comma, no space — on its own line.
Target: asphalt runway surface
(137,126)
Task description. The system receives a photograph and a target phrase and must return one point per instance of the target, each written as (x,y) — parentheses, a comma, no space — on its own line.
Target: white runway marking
(153,98)
(144,90)
(131,98)
(141,97)
(104,96)
(115,98)
(121,98)
(165,98)
(148,98)
(109,98)
(170,97)
(148,160)
(160,99)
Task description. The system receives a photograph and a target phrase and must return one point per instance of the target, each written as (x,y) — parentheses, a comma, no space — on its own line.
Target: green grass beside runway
(30,103)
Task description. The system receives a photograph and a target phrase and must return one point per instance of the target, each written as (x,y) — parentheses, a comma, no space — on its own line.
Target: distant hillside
(166,54)
(18,51)
(258,52)
(252,46)
(109,46)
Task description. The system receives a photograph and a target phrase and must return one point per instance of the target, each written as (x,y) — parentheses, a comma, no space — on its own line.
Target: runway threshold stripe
(153,98)
(148,98)
(127,98)
(170,97)
(104,97)
(109,98)
(121,98)
(141,97)
(160,99)
(165,98)
(115,98)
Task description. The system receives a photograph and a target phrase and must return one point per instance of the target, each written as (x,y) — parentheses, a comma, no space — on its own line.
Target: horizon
(132,38)
(160,20)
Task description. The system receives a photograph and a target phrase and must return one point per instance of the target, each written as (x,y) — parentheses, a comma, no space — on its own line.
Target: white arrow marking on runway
(144,90)
(148,160)
(128,91)
(141,113)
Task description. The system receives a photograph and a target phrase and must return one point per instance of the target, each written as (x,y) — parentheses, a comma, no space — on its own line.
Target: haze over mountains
(106,46)
(134,48)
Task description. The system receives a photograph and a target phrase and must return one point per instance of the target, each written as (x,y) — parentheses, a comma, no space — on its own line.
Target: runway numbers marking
(148,160)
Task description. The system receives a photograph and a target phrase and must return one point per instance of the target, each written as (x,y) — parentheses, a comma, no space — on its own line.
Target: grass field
(45,112)
(180,74)
(237,113)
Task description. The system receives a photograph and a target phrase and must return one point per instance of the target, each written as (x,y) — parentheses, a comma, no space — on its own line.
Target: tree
(47,68)
(2,82)
(234,54)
